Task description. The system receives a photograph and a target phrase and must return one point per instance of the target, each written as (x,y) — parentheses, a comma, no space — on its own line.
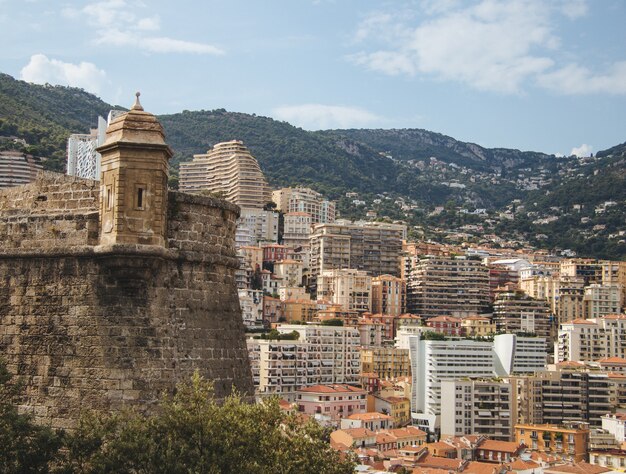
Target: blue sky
(544,75)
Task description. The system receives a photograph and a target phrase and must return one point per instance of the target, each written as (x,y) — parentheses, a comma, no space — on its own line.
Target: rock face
(88,322)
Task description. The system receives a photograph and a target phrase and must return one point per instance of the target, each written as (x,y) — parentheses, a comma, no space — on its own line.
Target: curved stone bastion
(113,291)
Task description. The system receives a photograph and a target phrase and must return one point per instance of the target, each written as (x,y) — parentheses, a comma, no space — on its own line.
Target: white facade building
(518,355)
(320,355)
(251,302)
(477,407)
(616,425)
(352,289)
(592,339)
(255,226)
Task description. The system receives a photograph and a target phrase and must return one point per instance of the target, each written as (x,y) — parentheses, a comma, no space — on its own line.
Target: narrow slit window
(109,198)
(140,198)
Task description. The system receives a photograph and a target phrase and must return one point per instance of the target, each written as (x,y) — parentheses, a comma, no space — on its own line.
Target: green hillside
(45,116)
(415,169)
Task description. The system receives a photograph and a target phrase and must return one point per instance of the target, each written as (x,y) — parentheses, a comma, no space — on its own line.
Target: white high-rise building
(307,201)
(319,355)
(82,158)
(481,407)
(433,361)
(592,339)
(352,289)
(256,226)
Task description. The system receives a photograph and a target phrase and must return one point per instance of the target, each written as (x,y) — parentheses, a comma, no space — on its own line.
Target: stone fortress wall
(92,326)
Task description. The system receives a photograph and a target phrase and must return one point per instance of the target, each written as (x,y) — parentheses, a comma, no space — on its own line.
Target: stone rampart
(87,326)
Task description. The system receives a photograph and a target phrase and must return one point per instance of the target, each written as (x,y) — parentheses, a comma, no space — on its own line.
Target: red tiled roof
(334,388)
(502,446)
(581,467)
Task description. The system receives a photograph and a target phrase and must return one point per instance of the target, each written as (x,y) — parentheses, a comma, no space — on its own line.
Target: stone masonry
(87,325)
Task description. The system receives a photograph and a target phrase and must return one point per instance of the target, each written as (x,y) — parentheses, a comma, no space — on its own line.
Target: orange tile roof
(442,463)
(374,415)
(334,388)
(358,432)
(580,321)
(613,360)
(521,465)
(408,432)
(444,319)
(440,445)
(570,363)
(476,467)
(502,446)
(581,467)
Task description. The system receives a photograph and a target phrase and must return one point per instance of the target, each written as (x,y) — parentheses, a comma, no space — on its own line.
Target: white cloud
(156,44)
(494,45)
(574,79)
(322,117)
(118,23)
(582,150)
(41,70)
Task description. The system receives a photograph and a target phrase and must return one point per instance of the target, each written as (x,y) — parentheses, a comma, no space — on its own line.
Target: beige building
(289,272)
(305,200)
(373,247)
(473,326)
(230,170)
(565,441)
(386,362)
(592,339)
(388,295)
(440,286)
(350,288)
(17,168)
(570,298)
(600,300)
(297,229)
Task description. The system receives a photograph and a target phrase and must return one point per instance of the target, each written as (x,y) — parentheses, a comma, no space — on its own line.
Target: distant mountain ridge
(415,170)
(419,144)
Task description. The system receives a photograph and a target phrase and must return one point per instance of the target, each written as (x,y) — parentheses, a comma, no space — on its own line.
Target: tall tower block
(133,183)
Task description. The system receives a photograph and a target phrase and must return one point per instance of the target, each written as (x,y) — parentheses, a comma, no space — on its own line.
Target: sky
(541,75)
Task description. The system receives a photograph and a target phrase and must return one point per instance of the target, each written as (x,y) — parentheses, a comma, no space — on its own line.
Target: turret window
(140,197)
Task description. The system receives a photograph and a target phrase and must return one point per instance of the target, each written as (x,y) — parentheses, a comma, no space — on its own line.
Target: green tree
(24,446)
(193,432)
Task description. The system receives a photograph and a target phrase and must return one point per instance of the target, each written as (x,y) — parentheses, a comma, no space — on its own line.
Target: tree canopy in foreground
(190,432)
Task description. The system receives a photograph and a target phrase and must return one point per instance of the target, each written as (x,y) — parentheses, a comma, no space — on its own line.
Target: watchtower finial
(137,104)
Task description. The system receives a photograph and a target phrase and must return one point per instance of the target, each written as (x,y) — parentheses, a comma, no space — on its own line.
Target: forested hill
(287,155)
(418,145)
(44,116)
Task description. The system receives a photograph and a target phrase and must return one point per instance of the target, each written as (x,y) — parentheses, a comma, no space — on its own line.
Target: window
(109,198)
(140,197)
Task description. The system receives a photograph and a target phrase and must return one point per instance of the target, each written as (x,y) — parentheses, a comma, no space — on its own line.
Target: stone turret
(133,184)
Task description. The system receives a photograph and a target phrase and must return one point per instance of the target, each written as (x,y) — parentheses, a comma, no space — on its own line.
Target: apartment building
(570,298)
(289,272)
(331,402)
(230,170)
(592,339)
(388,295)
(257,225)
(567,441)
(18,168)
(321,355)
(433,361)
(601,300)
(588,269)
(373,247)
(251,302)
(571,391)
(473,326)
(386,362)
(350,288)
(448,325)
(482,407)
(82,158)
(297,229)
(305,200)
(515,312)
(616,425)
(446,286)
